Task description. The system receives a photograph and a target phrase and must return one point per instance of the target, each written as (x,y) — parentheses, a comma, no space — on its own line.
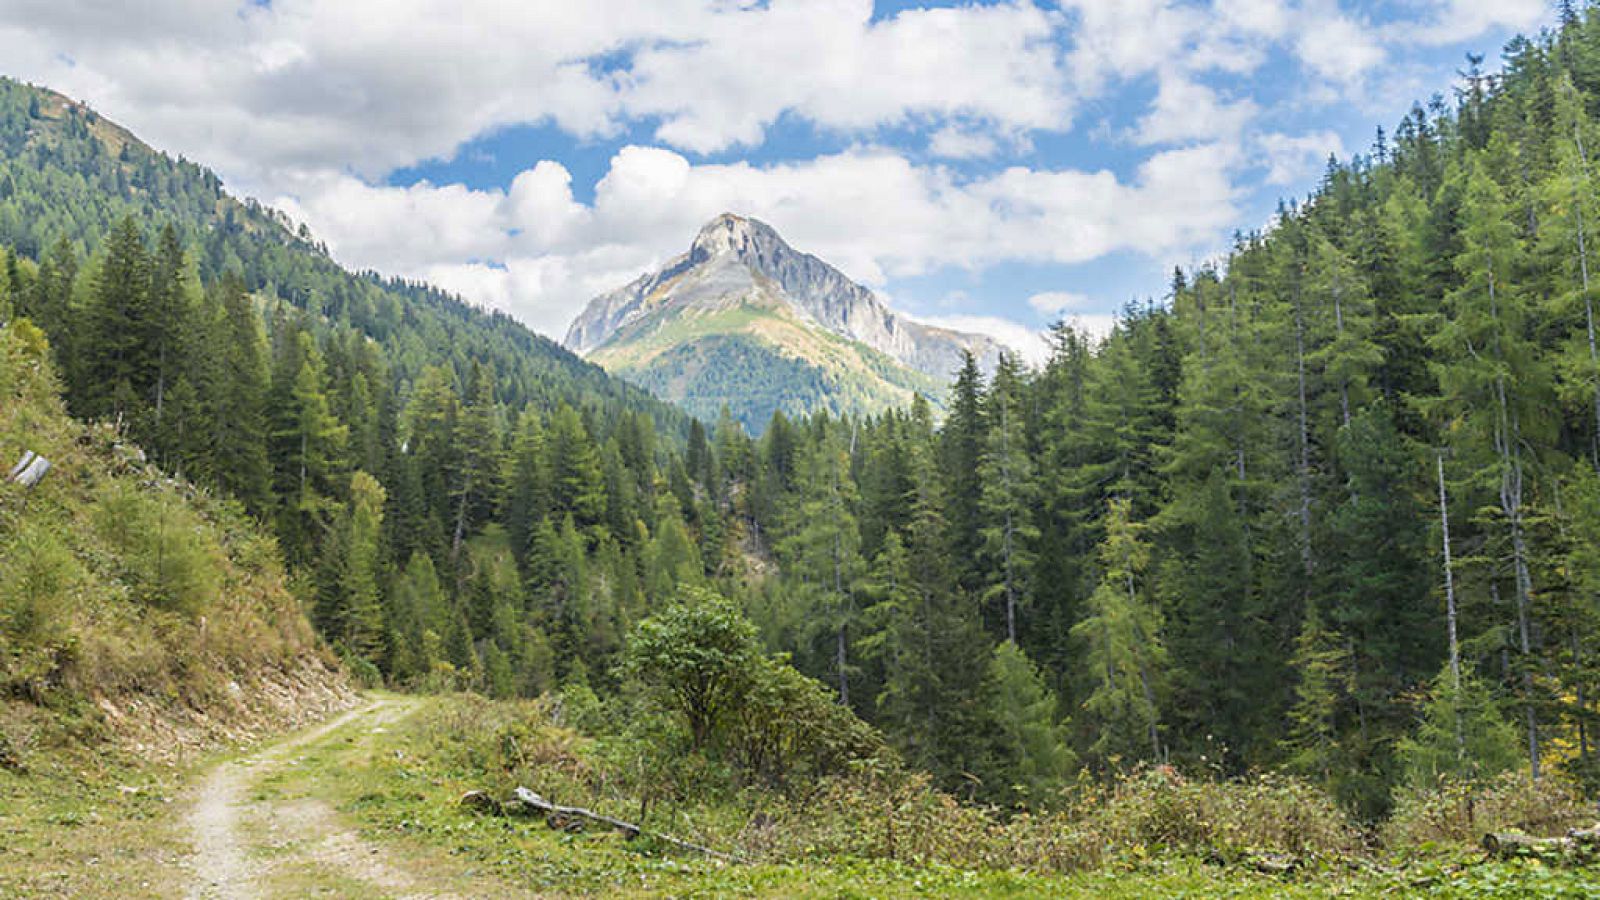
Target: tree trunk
(1303,472)
(1450,612)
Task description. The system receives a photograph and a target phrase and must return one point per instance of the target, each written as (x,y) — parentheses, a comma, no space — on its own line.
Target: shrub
(165,554)
(1461,811)
(1269,813)
(788,726)
(36,596)
(699,656)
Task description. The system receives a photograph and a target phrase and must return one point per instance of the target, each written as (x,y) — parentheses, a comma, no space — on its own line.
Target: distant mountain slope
(66,171)
(745,320)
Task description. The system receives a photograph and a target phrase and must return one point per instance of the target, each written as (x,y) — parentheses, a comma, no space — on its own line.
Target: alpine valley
(745,321)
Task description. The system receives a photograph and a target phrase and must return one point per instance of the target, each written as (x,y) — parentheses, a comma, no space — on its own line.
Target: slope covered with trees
(132,606)
(1331,509)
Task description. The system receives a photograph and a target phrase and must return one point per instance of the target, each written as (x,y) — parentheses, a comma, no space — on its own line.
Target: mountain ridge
(797,309)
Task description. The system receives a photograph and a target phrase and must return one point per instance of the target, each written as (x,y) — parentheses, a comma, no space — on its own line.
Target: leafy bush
(41,583)
(1460,811)
(700,660)
(165,554)
(788,727)
(1160,808)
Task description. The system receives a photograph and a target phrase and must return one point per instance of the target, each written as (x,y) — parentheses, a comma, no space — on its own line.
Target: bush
(789,727)
(41,584)
(1459,812)
(1230,819)
(165,554)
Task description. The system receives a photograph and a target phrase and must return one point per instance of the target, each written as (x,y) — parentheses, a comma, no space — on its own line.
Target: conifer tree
(1006,500)
(1124,656)
(358,615)
(1028,750)
(1462,735)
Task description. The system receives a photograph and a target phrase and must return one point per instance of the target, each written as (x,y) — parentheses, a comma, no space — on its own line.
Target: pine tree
(1493,385)
(1319,661)
(1124,655)
(115,321)
(310,442)
(578,479)
(1007,495)
(358,618)
(824,543)
(1028,750)
(477,443)
(1462,735)
(961,449)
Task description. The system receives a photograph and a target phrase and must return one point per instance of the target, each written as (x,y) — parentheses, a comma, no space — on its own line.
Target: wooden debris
(1579,844)
(481,801)
(30,471)
(571,818)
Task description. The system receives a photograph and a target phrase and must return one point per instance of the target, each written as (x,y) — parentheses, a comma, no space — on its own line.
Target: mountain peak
(744,303)
(735,234)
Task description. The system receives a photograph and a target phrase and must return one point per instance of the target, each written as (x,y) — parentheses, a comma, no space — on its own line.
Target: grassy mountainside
(133,606)
(67,172)
(758,359)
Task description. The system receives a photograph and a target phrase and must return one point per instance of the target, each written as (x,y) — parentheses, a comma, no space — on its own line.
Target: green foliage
(700,656)
(1462,737)
(1031,761)
(1121,630)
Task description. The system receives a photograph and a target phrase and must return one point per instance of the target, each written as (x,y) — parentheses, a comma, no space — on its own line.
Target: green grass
(95,827)
(390,787)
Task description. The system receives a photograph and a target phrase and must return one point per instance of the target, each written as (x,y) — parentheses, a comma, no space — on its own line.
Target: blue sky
(986,164)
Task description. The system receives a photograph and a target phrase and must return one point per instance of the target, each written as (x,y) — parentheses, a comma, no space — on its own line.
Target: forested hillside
(399,441)
(133,607)
(1329,510)
(68,177)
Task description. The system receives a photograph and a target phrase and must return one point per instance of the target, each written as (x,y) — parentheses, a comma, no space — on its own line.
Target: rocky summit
(745,321)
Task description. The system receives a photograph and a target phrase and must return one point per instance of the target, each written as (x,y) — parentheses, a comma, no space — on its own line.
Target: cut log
(1509,844)
(31,470)
(480,801)
(569,818)
(1578,845)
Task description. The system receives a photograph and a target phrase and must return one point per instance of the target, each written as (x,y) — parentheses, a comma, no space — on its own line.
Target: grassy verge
(90,826)
(399,791)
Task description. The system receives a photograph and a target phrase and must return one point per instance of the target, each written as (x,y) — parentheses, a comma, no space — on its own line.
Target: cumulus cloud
(1186,110)
(1294,158)
(538,253)
(1453,21)
(1054,303)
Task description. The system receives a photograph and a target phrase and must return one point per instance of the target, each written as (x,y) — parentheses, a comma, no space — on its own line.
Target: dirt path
(249,843)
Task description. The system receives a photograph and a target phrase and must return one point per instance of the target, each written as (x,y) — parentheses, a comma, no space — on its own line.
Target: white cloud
(827,61)
(1454,21)
(1186,110)
(1053,303)
(1337,46)
(270,93)
(1294,158)
(952,142)
(1030,345)
(539,254)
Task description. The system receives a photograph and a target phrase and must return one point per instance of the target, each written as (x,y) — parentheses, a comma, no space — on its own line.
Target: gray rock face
(733,257)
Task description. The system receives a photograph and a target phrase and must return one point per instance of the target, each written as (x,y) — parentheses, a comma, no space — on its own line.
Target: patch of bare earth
(250,843)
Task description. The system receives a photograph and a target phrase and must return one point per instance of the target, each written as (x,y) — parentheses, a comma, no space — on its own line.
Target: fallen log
(564,817)
(480,801)
(30,471)
(1578,843)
